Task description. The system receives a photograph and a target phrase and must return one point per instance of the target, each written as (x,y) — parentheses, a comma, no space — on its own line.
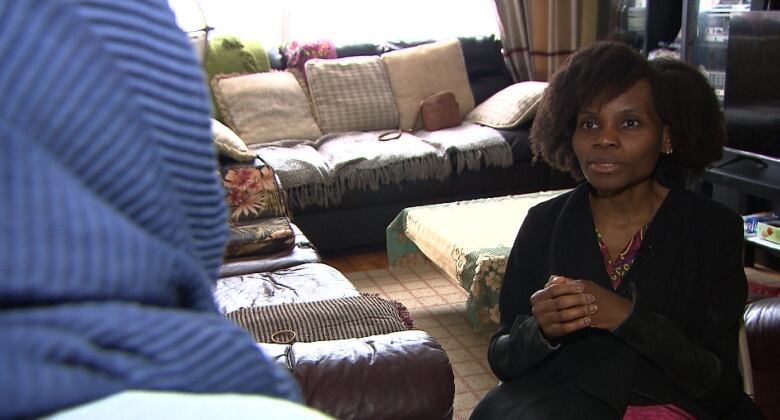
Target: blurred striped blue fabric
(112,220)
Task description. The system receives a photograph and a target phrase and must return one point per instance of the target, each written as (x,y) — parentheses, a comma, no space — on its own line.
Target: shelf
(763,243)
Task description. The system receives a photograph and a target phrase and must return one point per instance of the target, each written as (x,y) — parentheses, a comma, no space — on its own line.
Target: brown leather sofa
(400,375)
(762,327)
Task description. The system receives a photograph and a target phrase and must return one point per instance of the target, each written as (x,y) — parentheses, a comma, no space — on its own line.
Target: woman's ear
(666,141)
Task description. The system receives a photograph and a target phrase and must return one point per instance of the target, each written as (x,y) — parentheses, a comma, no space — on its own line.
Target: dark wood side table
(757,177)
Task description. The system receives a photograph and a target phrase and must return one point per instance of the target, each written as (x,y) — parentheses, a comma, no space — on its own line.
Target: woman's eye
(588,125)
(631,123)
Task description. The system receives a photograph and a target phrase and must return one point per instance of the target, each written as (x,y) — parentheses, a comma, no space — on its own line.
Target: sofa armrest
(402,375)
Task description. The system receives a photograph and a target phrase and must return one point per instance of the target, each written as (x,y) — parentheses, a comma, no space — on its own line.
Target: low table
(468,240)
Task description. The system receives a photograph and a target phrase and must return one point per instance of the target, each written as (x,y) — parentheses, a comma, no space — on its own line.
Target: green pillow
(229,54)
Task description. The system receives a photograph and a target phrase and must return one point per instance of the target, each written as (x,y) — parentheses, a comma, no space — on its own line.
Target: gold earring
(667,147)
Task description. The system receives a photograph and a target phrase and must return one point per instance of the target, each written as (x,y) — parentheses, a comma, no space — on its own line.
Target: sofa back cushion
(510,107)
(420,71)
(351,94)
(265,107)
(230,54)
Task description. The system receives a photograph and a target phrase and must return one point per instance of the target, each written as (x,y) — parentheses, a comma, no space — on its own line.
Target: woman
(623,297)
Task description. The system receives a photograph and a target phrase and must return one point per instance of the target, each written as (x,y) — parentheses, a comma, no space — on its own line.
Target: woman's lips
(603,166)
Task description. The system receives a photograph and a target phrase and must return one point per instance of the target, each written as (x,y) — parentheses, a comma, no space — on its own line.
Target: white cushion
(509,107)
(421,71)
(229,144)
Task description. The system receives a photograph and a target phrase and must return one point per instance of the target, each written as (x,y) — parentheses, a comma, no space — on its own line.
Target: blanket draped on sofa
(321,172)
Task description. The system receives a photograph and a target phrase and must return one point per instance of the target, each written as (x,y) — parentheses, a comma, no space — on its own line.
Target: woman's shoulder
(709,218)
(554,206)
(706,208)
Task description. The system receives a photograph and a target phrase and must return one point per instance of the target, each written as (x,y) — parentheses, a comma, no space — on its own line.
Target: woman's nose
(607,138)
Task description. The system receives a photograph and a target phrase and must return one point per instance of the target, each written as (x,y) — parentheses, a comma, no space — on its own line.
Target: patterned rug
(438,306)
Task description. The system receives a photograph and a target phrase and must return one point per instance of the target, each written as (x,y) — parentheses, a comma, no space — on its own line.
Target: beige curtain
(513,24)
(538,35)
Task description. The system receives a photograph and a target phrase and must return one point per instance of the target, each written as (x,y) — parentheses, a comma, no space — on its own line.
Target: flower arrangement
(298,53)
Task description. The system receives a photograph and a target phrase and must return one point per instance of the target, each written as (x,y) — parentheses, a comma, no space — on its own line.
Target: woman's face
(618,143)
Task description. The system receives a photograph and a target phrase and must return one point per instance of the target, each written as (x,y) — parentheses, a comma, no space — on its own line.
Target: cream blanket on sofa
(321,172)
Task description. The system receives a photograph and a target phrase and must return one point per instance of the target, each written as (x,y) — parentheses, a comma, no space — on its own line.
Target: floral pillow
(259,217)
(253,193)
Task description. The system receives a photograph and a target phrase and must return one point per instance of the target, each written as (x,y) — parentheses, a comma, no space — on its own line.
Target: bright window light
(350,21)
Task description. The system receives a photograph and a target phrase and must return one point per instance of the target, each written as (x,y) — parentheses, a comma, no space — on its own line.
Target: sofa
(353,210)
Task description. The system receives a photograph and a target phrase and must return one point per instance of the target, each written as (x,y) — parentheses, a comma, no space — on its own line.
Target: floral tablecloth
(468,240)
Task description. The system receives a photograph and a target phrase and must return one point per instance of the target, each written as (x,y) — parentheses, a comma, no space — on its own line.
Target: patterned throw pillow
(265,107)
(421,71)
(253,193)
(351,94)
(229,144)
(259,217)
(509,107)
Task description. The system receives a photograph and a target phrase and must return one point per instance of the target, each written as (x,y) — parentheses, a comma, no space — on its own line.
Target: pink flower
(247,179)
(247,203)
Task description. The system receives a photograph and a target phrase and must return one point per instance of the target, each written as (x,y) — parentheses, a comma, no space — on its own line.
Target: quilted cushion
(351,94)
(509,107)
(420,71)
(265,107)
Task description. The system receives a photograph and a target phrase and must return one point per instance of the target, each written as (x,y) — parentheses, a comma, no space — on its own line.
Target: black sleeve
(519,344)
(706,368)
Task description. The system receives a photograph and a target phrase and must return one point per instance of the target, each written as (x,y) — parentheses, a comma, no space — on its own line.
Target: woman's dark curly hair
(684,101)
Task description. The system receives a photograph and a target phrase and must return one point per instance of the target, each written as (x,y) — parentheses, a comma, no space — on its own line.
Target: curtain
(538,35)
(513,24)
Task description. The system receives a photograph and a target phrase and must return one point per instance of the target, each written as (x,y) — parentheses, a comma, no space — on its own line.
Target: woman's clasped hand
(566,305)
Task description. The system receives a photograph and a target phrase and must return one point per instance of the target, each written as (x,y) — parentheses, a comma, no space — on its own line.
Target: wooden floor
(363,259)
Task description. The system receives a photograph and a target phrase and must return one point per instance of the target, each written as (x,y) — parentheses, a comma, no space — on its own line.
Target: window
(350,21)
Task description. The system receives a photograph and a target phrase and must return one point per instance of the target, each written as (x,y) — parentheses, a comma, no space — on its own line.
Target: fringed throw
(332,319)
(321,172)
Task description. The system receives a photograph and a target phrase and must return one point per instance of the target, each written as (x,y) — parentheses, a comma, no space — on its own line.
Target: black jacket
(688,286)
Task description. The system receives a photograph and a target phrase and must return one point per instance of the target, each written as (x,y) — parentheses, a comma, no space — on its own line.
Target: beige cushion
(229,144)
(351,94)
(509,107)
(423,70)
(265,107)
